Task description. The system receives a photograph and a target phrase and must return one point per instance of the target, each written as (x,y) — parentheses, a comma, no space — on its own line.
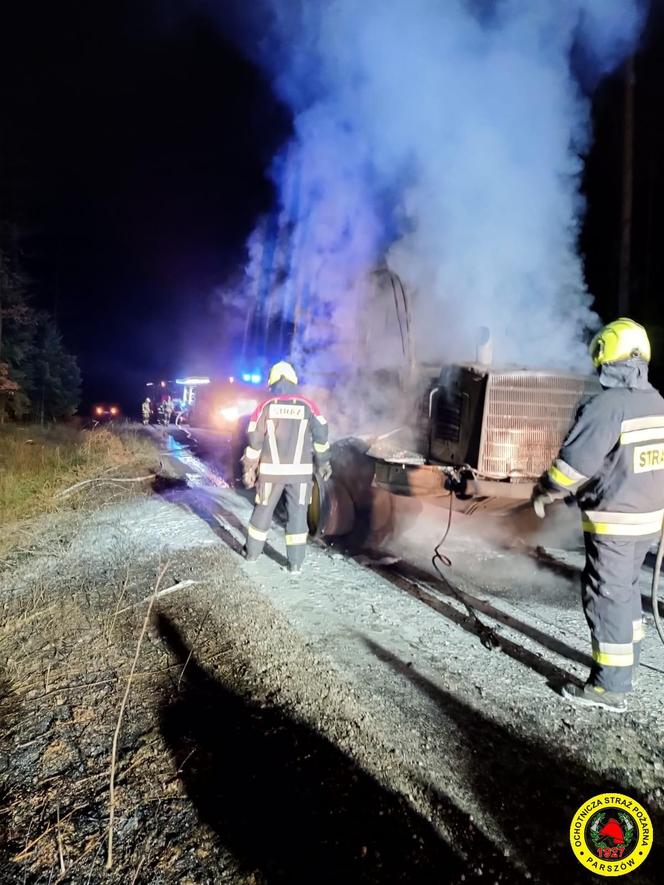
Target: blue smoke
(444,139)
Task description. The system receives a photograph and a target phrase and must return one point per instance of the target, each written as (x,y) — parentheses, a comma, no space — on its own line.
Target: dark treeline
(39,380)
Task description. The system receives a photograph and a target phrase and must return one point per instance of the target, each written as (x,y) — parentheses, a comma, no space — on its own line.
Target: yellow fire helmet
(618,341)
(282,370)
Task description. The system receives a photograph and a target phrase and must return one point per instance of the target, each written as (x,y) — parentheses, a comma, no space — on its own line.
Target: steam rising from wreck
(443,141)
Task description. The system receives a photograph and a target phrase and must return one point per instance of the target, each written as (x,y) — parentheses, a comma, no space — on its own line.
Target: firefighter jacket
(612,460)
(287,435)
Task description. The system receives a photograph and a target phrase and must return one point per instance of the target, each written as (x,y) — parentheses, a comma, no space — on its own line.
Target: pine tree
(38,378)
(13,312)
(52,377)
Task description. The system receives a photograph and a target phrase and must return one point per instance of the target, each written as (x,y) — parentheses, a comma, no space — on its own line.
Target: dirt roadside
(255,746)
(243,757)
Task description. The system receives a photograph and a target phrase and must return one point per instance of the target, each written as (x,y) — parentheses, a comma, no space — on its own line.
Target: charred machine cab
(485,434)
(490,432)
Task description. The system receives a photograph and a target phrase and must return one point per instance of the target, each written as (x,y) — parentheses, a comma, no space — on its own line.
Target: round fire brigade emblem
(611,834)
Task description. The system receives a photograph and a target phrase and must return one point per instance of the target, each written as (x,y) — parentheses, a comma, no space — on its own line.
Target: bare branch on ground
(114,750)
(106,479)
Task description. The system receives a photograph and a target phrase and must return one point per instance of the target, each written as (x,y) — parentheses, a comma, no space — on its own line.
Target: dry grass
(36,463)
(54,800)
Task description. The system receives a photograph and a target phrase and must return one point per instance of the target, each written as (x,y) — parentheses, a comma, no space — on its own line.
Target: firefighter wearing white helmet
(287,440)
(612,462)
(145,410)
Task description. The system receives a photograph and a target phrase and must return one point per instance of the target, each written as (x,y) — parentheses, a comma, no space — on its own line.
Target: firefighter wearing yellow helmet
(619,341)
(287,440)
(612,462)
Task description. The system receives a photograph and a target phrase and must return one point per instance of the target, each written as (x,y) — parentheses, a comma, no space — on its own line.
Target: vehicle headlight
(230,413)
(247,406)
(238,409)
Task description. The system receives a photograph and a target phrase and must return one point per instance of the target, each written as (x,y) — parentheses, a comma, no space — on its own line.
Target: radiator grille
(526,417)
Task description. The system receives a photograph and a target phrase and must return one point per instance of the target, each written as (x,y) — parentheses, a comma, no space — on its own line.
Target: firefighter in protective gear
(145,410)
(287,439)
(612,462)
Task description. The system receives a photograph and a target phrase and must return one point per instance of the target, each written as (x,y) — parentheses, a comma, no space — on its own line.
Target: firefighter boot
(593,696)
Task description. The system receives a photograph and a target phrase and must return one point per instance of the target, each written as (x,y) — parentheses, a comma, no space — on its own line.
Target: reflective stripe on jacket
(612,461)
(288,435)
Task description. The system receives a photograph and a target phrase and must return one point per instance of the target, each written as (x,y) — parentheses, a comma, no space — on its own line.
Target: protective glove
(249,474)
(325,471)
(540,499)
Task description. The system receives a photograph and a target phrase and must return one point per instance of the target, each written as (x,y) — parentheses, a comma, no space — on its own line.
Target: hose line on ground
(655,586)
(488,637)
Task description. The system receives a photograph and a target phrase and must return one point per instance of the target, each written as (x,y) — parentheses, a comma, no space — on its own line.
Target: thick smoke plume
(444,139)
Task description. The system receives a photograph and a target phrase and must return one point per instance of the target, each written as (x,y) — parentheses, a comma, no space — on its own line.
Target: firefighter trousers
(612,606)
(268,494)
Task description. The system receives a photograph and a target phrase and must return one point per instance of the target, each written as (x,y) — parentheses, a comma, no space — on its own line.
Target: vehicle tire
(331,512)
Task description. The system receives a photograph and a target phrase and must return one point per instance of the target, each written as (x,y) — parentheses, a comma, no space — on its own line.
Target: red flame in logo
(614,831)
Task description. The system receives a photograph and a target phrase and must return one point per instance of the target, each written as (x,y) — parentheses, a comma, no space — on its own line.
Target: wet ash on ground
(240,757)
(336,730)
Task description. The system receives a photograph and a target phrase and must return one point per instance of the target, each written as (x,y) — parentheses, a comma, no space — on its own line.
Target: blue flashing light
(255,379)
(246,376)
(252,377)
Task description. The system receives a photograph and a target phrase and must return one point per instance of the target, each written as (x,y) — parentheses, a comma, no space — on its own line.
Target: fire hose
(654,590)
(655,586)
(487,635)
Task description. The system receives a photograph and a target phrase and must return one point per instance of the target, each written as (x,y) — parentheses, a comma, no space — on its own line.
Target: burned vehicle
(483,434)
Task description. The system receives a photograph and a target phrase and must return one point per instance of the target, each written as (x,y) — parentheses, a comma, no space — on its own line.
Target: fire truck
(223,403)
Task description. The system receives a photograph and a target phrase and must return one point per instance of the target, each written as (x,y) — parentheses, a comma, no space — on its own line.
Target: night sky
(134,144)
